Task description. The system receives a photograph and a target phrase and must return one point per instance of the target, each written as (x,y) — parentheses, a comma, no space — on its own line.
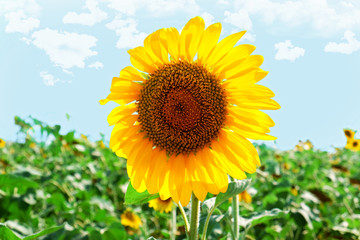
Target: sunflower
(2,143)
(183,122)
(130,219)
(245,197)
(161,205)
(349,133)
(353,145)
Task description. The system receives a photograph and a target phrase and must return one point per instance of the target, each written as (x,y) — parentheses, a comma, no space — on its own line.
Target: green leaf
(43,232)
(234,188)
(6,233)
(115,231)
(136,198)
(11,180)
(262,217)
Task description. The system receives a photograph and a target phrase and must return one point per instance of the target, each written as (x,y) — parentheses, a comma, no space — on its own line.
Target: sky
(59,57)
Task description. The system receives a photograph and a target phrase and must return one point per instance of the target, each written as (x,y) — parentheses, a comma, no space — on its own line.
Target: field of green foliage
(60,186)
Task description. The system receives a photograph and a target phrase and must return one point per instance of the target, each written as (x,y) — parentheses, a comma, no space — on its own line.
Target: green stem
(173,223)
(207,223)
(235,212)
(183,214)
(194,222)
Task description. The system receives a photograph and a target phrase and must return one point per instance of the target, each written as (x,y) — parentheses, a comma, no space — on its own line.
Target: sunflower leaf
(6,233)
(44,232)
(136,198)
(11,181)
(234,188)
(262,217)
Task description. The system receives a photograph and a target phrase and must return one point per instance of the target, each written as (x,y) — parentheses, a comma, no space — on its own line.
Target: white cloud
(26,40)
(18,22)
(156,8)
(48,79)
(351,45)
(286,51)
(208,18)
(325,17)
(96,15)
(29,6)
(65,49)
(98,65)
(239,19)
(224,2)
(249,37)
(127,30)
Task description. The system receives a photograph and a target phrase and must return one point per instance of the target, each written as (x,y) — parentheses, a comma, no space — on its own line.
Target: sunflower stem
(173,223)
(195,213)
(183,214)
(235,208)
(235,214)
(207,223)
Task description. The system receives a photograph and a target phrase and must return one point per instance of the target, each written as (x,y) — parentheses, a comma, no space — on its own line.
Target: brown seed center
(182,107)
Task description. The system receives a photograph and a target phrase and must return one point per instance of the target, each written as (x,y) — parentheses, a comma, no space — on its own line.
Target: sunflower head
(349,134)
(2,143)
(353,145)
(130,219)
(245,197)
(187,108)
(161,205)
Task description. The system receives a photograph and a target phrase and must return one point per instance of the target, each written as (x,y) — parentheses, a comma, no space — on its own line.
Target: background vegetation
(59,186)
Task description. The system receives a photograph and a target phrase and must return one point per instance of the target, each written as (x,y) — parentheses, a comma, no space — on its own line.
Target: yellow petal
(247,65)
(222,48)
(155,49)
(140,59)
(130,73)
(190,37)
(208,41)
(265,104)
(234,58)
(170,39)
(222,161)
(242,147)
(251,116)
(235,155)
(121,112)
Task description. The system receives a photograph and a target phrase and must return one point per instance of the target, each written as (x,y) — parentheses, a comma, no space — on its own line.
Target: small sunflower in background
(349,134)
(130,219)
(301,146)
(184,123)
(351,143)
(294,190)
(245,197)
(2,143)
(161,205)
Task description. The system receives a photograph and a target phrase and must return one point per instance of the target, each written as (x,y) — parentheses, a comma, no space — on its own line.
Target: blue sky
(59,57)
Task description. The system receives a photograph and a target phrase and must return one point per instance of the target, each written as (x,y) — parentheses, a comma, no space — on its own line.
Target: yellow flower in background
(32,145)
(301,146)
(101,144)
(245,197)
(161,205)
(349,133)
(130,219)
(353,145)
(84,137)
(2,143)
(294,191)
(183,123)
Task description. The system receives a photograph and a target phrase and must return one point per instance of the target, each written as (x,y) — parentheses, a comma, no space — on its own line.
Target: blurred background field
(50,179)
